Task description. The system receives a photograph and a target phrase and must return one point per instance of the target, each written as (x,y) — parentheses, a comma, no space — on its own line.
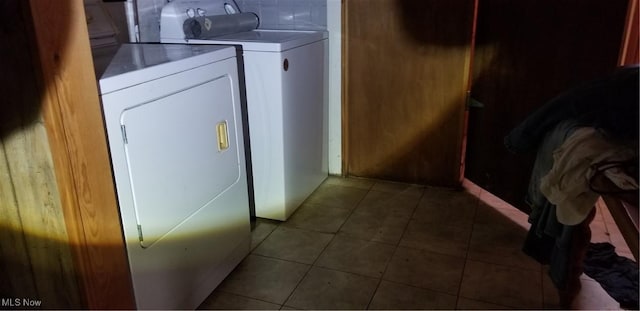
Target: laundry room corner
(286,115)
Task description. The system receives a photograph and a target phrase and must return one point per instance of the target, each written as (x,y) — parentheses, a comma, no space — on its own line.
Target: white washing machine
(286,77)
(173,119)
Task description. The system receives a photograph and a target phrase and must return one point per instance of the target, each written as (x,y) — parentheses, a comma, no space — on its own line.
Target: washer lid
(137,63)
(262,40)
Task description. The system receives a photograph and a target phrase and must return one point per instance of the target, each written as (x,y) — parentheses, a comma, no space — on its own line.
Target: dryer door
(180,155)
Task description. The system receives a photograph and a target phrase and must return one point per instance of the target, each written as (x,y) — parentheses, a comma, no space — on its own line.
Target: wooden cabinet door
(405,76)
(526,53)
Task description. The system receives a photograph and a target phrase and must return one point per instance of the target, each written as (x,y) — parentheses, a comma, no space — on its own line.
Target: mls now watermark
(20,302)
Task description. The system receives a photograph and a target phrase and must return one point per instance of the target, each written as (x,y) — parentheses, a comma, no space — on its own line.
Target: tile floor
(365,244)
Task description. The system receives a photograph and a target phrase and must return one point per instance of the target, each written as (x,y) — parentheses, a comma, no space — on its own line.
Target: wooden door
(526,53)
(406,66)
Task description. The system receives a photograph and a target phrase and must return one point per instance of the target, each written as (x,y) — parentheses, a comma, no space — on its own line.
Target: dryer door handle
(223,136)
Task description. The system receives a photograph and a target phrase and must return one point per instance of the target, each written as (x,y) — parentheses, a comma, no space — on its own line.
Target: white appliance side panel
(305,126)
(180,270)
(263,76)
(175,166)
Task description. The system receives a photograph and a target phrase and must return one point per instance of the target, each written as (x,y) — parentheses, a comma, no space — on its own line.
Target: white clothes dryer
(173,120)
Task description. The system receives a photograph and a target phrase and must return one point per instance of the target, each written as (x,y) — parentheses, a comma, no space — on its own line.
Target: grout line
(397,245)
(477,204)
(395,251)
(313,264)
(466,256)
(374,293)
(284,303)
(245,296)
(264,239)
(352,210)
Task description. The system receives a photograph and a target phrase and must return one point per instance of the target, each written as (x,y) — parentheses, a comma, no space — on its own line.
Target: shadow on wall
(526,52)
(34,269)
(36,266)
(407,81)
(422,25)
(20,83)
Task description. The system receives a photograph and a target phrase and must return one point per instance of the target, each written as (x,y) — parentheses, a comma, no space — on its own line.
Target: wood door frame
(73,119)
(629,50)
(463,145)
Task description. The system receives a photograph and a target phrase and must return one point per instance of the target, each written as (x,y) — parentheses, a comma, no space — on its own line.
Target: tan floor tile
(266,279)
(318,218)
(500,245)
(378,228)
(356,256)
(502,285)
(512,219)
(437,237)
(388,203)
(506,216)
(260,229)
(498,239)
(425,269)
(336,196)
(593,297)
(226,301)
(294,244)
(470,304)
(365,210)
(394,296)
(354,182)
(452,208)
(329,289)
(402,188)
(448,197)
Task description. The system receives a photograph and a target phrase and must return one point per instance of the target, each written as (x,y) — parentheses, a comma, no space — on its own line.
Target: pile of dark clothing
(618,275)
(608,109)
